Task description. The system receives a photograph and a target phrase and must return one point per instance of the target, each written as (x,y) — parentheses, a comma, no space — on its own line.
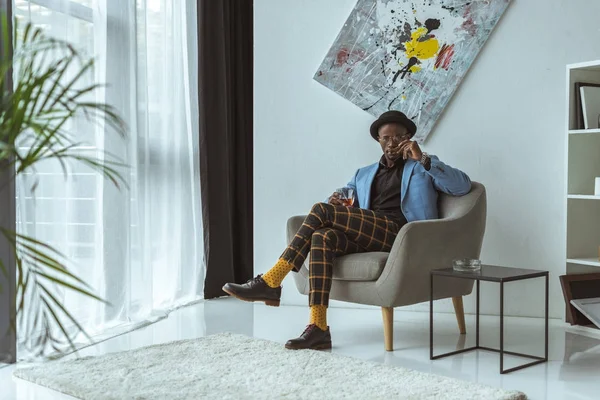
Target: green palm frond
(38,266)
(49,91)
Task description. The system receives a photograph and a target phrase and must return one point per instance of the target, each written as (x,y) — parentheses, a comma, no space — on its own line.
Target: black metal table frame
(538,360)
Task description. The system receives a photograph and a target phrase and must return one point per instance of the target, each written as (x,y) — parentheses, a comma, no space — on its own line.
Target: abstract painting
(408,55)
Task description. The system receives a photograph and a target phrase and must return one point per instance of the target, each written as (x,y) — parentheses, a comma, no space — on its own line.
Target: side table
(501,275)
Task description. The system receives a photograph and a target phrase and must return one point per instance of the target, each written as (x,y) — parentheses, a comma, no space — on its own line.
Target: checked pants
(330,231)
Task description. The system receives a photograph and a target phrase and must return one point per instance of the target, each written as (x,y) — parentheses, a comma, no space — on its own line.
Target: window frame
(68,7)
(8,339)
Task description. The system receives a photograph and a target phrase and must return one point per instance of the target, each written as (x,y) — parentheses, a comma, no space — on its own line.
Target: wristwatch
(426,161)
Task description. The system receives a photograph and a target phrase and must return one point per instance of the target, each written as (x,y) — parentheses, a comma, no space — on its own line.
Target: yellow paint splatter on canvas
(421,49)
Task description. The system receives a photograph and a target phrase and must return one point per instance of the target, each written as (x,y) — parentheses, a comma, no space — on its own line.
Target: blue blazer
(419,192)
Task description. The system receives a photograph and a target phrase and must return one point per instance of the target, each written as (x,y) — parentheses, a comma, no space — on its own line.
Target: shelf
(588,65)
(584,131)
(592,261)
(583,197)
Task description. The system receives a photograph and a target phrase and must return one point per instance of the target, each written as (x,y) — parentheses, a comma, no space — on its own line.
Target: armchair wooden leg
(460,313)
(388,327)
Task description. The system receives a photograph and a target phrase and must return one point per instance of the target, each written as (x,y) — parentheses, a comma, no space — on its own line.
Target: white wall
(504,127)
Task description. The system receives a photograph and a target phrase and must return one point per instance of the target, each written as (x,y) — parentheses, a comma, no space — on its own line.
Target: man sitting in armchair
(402,187)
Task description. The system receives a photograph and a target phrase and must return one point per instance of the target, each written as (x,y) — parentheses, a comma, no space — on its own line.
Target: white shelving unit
(583,165)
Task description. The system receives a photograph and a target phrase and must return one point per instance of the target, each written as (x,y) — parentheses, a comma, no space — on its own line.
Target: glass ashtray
(466,265)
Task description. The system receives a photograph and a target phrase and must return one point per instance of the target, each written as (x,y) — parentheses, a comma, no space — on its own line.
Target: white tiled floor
(572,373)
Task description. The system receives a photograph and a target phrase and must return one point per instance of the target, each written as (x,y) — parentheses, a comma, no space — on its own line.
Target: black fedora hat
(389,117)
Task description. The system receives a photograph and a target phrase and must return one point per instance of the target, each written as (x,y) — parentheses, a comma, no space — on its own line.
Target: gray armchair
(401,277)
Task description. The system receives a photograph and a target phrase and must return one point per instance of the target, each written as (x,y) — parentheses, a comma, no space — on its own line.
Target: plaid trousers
(330,231)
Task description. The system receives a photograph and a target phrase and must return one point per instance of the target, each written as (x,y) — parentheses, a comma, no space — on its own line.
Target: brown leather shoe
(313,338)
(255,289)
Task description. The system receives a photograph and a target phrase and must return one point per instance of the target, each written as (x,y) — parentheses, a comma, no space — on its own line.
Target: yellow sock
(275,275)
(318,316)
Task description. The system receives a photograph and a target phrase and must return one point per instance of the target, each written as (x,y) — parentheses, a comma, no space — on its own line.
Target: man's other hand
(335,199)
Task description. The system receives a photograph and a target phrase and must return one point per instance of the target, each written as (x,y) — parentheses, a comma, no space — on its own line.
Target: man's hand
(410,149)
(335,199)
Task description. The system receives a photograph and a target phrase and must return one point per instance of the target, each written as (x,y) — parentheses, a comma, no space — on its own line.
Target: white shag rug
(228,366)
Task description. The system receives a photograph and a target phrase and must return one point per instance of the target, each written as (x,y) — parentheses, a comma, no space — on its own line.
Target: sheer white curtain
(140,247)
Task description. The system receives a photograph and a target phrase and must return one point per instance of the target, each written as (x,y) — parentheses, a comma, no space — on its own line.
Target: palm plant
(48,92)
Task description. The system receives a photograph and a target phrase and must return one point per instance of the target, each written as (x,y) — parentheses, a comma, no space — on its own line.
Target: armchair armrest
(425,245)
(293,224)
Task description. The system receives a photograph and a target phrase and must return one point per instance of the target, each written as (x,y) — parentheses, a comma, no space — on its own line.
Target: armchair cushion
(359,267)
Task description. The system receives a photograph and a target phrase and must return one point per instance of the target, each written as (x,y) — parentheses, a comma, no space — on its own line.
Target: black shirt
(385,192)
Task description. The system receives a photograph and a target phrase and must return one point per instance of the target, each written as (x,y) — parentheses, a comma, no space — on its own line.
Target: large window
(66,212)
(141,246)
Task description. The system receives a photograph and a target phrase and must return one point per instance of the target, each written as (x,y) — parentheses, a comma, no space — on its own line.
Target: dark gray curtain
(8,350)
(225,84)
